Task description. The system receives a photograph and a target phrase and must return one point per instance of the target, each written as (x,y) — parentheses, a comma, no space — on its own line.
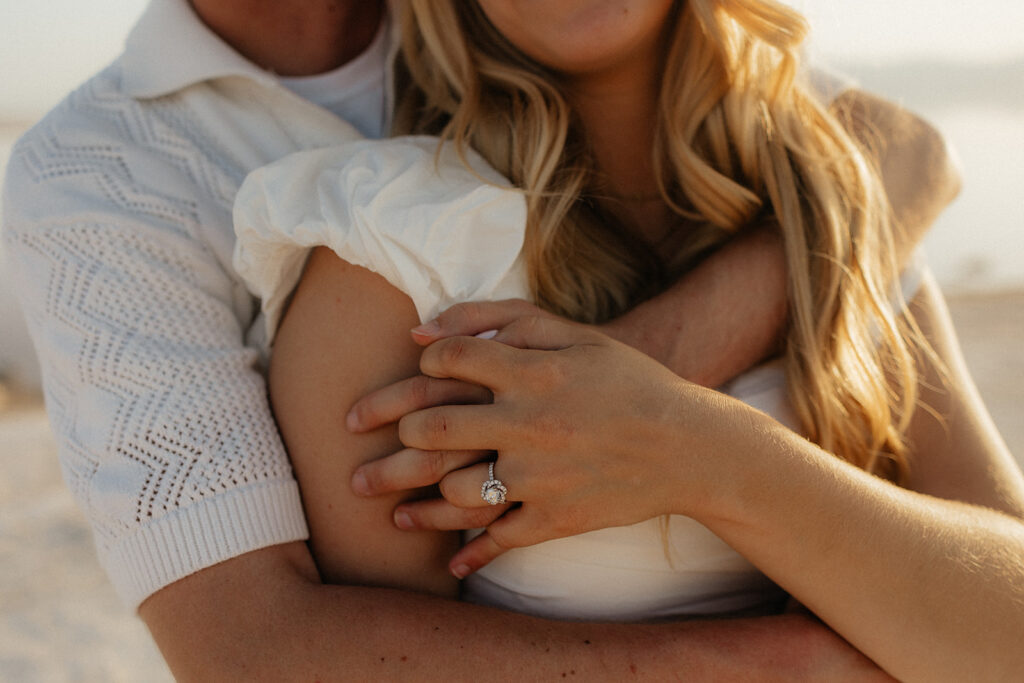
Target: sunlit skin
(891,582)
(748,479)
(294,37)
(607,53)
(267,613)
(583,38)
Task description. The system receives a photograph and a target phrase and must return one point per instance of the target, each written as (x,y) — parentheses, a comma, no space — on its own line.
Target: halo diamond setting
(493,491)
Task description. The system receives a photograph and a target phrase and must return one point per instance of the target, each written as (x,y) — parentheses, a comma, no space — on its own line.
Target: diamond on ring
(493,491)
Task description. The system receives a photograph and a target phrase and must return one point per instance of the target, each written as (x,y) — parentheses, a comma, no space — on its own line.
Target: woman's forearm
(931,586)
(931,589)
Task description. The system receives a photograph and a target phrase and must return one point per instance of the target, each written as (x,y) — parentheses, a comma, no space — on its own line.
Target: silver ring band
(493,491)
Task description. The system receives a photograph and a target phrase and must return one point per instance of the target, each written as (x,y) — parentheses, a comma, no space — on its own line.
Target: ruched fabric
(436,229)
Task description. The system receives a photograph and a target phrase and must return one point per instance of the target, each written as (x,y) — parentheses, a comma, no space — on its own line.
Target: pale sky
(49,46)
(880,30)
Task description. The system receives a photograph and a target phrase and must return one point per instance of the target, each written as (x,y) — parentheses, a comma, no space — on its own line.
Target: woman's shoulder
(439,225)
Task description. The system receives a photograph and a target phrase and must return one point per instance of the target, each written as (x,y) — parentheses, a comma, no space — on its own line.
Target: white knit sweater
(117,223)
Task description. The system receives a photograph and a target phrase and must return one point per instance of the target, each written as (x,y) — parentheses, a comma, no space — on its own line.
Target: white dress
(442,236)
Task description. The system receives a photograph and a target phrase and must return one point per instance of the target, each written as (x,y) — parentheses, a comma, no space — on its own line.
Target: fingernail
(360,486)
(428,329)
(488,334)
(352,421)
(460,571)
(403,520)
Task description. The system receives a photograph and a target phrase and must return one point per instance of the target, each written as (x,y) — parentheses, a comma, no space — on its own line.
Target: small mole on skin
(382,659)
(586,642)
(632,668)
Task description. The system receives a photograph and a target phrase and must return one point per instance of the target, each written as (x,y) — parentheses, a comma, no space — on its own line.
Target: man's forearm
(730,311)
(264,616)
(721,318)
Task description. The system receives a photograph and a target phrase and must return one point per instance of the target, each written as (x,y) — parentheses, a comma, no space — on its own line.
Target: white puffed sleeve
(436,229)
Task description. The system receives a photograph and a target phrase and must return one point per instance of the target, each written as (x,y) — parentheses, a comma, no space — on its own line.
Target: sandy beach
(60,620)
(59,617)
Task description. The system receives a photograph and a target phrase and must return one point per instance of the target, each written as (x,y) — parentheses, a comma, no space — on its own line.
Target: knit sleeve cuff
(201,535)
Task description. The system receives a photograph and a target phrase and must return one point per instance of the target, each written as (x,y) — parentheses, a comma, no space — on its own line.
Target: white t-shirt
(355,91)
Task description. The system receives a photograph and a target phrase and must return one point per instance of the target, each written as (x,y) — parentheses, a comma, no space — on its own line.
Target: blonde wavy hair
(739,138)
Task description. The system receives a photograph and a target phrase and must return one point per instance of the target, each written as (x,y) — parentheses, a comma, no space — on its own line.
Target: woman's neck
(294,37)
(619,125)
(618,110)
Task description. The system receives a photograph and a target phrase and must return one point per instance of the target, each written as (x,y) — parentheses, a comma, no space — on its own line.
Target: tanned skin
(267,614)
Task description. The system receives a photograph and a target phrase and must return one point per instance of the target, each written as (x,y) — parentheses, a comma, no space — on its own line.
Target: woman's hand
(388,405)
(587,433)
(414,468)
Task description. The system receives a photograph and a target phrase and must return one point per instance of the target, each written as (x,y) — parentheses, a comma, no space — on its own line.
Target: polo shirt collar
(170,48)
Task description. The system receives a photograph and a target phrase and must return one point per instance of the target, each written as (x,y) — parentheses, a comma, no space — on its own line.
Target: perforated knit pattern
(118,228)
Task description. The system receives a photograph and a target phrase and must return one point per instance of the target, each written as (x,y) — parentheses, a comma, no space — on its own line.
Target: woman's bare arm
(931,588)
(346,333)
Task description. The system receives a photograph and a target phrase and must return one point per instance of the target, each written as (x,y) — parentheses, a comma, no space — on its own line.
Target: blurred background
(960,66)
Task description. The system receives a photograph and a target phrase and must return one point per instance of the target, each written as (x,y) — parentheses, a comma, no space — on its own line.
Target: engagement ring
(493,491)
